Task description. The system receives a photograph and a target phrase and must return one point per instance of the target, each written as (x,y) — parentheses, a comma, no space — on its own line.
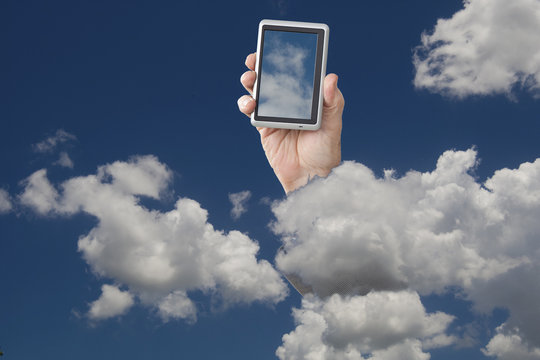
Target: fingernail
(246,101)
(243,102)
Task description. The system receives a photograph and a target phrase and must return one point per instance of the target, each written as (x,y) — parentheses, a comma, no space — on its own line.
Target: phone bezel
(322,32)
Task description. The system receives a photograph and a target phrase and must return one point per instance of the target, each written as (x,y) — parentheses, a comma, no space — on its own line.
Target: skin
(296,156)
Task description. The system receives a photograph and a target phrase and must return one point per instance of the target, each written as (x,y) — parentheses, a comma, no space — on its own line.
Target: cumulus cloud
(177,305)
(5,202)
(434,232)
(158,256)
(380,325)
(64,160)
(238,201)
(508,345)
(112,302)
(488,47)
(49,144)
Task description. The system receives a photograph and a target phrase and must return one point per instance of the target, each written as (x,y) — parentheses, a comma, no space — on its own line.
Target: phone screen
(289,80)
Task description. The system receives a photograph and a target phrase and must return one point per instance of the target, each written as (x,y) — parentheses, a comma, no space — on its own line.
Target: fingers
(250,61)
(248,80)
(246,104)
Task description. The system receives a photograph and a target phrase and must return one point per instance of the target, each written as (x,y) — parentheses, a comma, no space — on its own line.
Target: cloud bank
(488,47)
(434,232)
(159,256)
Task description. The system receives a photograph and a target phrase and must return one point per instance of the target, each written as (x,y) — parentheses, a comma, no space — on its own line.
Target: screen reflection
(287,75)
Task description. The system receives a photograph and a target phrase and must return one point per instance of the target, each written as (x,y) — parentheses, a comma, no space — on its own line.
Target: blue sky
(136,79)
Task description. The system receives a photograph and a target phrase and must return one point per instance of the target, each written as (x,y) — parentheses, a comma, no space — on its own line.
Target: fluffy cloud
(112,302)
(5,202)
(488,47)
(38,193)
(508,345)
(352,233)
(50,143)
(177,305)
(159,256)
(238,201)
(380,325)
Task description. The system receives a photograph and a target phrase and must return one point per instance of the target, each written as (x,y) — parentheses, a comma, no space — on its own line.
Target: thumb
(330,90)
(333,106)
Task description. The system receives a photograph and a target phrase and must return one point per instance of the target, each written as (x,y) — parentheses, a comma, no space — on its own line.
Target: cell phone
(290,68)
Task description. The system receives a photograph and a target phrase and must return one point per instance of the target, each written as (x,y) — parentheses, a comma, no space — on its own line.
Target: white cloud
(50,143)
(380,325)
(112,302)
(488,47)
(508,345)
(177,305)
(238,201)
(431,232)
(38,193)
(64,160)
(5,202)
(159,256)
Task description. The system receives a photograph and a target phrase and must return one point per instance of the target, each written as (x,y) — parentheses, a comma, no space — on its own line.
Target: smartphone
(290,68)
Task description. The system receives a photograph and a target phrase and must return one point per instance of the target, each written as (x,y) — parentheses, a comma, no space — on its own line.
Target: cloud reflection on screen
(288,69)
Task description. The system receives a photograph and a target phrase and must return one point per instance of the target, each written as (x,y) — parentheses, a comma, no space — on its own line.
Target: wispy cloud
(159,256)
(488,47)
(5,202)
(282,6)
(64,160)
(353,233)
(49,144)
(238,201)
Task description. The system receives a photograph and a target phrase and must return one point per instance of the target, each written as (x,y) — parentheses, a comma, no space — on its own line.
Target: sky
(139,216)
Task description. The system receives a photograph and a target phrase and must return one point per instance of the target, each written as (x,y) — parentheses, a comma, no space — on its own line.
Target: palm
(297,155)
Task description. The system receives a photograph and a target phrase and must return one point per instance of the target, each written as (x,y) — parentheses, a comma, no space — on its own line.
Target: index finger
(250,61)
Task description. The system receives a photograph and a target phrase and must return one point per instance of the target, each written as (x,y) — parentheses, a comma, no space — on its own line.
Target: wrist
(303,180)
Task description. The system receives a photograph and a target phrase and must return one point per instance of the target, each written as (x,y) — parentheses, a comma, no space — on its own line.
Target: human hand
(298,155)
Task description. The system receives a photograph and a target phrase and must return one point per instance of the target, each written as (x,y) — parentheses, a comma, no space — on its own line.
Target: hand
(298,155)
